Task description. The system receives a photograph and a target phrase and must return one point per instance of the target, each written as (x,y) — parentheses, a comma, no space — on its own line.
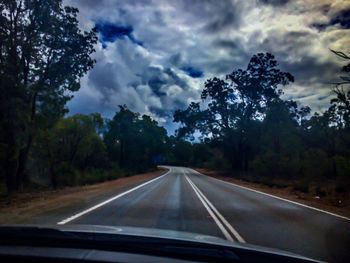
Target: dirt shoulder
(50,206)
(334,203)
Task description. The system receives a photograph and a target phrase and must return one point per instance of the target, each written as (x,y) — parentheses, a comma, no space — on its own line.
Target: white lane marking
(211,213)
(64,221)
(277,197)
(227,224)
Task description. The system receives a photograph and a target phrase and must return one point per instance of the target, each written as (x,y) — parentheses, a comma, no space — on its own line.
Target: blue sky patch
(110,32)
(193,72)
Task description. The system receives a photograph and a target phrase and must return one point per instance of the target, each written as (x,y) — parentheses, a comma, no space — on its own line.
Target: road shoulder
(48,207)
(285,193)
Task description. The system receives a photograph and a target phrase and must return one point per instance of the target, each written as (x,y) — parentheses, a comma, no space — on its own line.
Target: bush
(320,192)
(67,176)
(273,164)
(217,162)
(92,176)
(339,188)
(302,186)
(343,166)
(315,164)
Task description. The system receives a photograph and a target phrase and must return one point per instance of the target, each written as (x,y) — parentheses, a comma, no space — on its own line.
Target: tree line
(255,132)
(43,55)
(243,123)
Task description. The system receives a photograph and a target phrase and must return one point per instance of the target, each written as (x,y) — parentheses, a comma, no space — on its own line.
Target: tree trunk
(121,154)
(334,153)
(246,159)
(11,165)
(21,175)
(234,159)
(240,155)
(53,176)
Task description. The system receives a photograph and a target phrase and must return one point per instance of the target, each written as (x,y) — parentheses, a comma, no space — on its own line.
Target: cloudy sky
(154,56)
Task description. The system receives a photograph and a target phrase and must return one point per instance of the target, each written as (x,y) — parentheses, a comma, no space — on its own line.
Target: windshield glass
(228,119)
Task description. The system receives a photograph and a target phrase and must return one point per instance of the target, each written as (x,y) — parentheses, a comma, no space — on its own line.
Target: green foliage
(74,151)
(43,55)
(182,153)
(135,142)
(71,147)
(201,153)
(217,162)
(94,175)
(302,185)
(276,165)
(316,164)
(343,166)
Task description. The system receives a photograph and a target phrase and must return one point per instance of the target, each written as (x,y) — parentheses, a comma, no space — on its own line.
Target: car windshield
(228,119)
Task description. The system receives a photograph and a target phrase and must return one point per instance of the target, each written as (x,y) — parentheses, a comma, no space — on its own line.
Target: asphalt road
(187,201)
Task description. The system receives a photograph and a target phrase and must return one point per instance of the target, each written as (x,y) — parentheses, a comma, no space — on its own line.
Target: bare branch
(340,54)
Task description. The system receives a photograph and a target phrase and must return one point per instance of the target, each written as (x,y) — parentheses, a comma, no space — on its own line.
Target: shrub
(273,164)
(343,166)
(302,186)
(320,192)
(315,164)
(217,162)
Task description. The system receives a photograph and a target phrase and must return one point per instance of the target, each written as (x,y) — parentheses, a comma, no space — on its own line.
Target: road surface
(185,200)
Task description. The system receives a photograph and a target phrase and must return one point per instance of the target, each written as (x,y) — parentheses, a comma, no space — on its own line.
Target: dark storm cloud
(324,71)
(175,60)
(158,79)
(341,18)
(305,66)
(153,90)
(216,15)
(320,26)
(175,77)
(227,19)
(158,54)
(106,85)
(274,2)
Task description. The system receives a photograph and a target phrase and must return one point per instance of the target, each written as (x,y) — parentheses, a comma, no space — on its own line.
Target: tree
(43,54)
(135,142)
(235,107)
(72,143)
(118,136)
(259,84)
(280,144)
(341,103)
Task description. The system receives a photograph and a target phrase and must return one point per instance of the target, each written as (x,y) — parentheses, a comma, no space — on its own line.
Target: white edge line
(64,221)
(277,197)
(223,219)
(217,221)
